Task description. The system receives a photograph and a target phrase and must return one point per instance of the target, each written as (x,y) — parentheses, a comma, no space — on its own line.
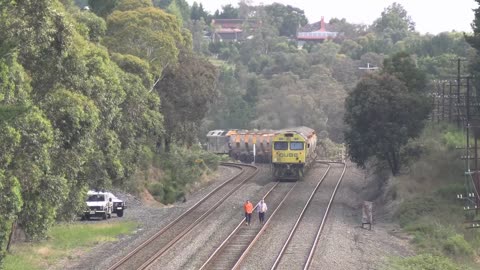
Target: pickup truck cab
(103,204)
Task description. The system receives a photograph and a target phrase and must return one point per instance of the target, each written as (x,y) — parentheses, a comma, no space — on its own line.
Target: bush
(181,167)
(423,262)
(449,192)
(156,189)
(330,150)
(457,246)
(414,209)
(453,138)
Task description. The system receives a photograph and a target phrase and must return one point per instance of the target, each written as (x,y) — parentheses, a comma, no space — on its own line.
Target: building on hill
(316,32)
(232,29)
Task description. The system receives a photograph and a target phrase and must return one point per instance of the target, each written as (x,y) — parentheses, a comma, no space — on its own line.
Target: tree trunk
(10,238)
(395,162)
(167,145)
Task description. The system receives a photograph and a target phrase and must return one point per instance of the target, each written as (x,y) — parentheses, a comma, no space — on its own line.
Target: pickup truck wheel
(120,213)
(104,216)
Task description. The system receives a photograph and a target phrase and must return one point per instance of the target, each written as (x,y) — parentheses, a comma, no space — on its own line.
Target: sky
(430,16)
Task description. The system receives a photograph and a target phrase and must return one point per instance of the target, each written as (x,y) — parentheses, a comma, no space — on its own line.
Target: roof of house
(315,31)
(228,30)
(233,23)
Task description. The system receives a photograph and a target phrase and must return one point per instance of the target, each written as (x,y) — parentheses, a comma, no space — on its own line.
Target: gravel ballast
(343,245)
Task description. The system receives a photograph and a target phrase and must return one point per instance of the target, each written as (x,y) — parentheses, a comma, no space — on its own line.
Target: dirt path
(344,244)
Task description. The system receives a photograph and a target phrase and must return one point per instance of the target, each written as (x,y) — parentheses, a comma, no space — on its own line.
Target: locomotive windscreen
(296,146)
(280,145)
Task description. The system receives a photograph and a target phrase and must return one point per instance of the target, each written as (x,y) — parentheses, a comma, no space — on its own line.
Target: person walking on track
(262,209)
(248,207)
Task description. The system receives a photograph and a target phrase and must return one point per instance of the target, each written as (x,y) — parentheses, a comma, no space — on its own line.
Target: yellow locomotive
(293,150)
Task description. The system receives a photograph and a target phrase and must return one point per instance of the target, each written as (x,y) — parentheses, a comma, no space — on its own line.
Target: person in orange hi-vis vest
(248,207)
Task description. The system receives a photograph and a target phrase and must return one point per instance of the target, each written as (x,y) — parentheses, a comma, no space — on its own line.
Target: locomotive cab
(292,151)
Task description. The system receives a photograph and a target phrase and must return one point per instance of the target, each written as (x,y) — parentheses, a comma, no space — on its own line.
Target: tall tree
(148,33)
(403,66)
(394,23)
(385,110)
(102,7)
(186,94)
(474,41)
(228,12)
(286,19)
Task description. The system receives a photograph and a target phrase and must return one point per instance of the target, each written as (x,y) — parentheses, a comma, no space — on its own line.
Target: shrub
(414,209)
(423,262)
(453,138)
(156,189)
(449,192)
(181,167)
(457,246)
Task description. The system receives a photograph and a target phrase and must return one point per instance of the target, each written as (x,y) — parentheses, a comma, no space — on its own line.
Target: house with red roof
(232,29)
(316,32)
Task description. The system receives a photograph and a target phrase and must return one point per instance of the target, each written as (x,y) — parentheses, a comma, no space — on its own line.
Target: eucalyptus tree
(394,23)
(186,93)
(384,111)
(102,8)
(148,33)
(285,18)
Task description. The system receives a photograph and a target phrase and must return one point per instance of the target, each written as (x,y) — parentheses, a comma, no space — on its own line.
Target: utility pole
(459,84)
(450,102)
(458,91)
(443,101)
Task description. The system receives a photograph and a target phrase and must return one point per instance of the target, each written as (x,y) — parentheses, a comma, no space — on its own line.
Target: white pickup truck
(103,204)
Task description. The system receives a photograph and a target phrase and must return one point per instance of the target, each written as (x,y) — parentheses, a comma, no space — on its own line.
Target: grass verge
(65,241)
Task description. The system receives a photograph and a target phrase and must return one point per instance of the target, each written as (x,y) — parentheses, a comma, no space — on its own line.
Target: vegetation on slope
(425,199)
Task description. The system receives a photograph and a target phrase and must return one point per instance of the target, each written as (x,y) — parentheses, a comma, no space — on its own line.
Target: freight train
(244,145)
(290,151)
(293,152)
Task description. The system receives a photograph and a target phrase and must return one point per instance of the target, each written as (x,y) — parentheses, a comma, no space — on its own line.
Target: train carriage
(293,150)
(241,144)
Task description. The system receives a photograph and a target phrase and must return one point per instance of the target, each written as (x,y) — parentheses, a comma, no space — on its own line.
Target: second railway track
(297,252)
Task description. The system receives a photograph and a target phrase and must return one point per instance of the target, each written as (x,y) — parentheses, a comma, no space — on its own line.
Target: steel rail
(139,248)
(152,259)
(327,211)
(223,245)
(244,254)
(292,231)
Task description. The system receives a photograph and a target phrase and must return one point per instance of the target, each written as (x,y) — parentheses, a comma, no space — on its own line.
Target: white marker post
(254,153)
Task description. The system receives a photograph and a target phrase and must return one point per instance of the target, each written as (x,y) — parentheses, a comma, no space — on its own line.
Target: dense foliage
(267,81)
(385,110)
(77,105)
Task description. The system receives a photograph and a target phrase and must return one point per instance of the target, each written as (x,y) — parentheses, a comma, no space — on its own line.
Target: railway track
(299,248)
(231,251)
(230,254)
(147,252)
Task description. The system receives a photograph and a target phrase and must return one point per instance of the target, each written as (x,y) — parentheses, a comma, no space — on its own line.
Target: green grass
(423,262)
(64,242)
